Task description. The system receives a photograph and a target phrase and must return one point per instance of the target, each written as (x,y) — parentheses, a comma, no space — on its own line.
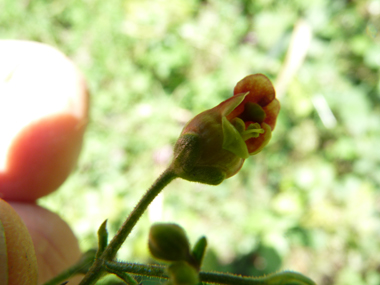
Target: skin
(18,264)
(55,245)
(43,116)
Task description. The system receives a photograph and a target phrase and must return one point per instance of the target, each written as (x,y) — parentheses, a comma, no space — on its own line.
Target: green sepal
(233,141)
(205,174)
(186,152)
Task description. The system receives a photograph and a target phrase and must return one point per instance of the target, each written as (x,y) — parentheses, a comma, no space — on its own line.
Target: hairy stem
(97,270)
(158,271)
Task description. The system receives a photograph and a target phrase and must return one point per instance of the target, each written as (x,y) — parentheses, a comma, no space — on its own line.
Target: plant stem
(81,267)
(64,276)
(97,269)
(158,271)
(229,279)
(151,270)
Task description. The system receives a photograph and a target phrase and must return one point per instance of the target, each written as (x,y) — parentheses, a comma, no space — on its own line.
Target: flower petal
(260,89)
(271,110)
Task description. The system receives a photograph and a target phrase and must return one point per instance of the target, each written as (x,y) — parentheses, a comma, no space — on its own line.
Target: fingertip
(55,244)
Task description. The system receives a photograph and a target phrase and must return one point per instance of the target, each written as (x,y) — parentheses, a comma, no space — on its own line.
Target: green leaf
(102,238)
(199,249)
(289,278)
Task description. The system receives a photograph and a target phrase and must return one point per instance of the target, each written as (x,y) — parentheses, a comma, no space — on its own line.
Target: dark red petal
(260,89)
(272,110)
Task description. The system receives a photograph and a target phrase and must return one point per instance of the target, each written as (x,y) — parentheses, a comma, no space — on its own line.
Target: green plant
(212,147)
(313,194)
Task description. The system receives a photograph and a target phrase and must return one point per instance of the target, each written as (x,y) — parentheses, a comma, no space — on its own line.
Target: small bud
(102,238)
(169,242)
(181,273)
(198,251)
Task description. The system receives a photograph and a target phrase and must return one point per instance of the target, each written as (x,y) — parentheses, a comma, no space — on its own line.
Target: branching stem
(97,270)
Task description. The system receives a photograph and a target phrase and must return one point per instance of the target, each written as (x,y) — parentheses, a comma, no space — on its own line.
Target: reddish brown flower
(215,143)
(259,106)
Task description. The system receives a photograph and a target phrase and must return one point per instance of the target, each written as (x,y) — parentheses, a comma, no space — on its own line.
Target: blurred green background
(310,202)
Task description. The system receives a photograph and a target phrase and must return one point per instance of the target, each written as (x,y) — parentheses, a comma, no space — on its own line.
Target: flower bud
(169,242)
(215,143)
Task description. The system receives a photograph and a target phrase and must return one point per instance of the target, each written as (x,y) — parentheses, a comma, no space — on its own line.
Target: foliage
(308,202)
